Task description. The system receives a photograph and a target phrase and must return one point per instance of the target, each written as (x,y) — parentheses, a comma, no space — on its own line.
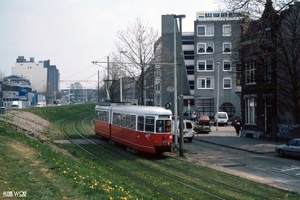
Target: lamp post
(181,85)
(218,91)
(175,85)
(121,81)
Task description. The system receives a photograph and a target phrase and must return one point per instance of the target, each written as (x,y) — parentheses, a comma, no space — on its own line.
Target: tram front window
(163,126)
(160,126)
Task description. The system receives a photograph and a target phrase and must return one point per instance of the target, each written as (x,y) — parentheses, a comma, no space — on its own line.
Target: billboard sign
(23,95)
(208,16)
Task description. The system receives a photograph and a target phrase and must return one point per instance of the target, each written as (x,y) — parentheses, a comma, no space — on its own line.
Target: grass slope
(40,172)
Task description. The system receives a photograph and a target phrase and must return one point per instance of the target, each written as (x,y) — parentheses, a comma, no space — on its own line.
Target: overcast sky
(73,33)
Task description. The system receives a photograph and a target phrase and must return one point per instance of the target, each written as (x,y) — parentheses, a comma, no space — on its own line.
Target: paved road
(226,136)
(224,151)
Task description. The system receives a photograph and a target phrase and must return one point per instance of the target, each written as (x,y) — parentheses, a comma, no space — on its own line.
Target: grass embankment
(29,167)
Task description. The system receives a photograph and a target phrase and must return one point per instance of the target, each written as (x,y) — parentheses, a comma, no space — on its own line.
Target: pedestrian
(237,127)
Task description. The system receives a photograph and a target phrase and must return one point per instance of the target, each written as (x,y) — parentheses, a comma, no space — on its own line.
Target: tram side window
(128,121)
(149,125)
(132,122)
(123,120)
(103,116)
(117,119)
(97,115)
(141,123)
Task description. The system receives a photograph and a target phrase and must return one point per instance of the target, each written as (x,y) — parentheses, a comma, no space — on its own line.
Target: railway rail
(152,170)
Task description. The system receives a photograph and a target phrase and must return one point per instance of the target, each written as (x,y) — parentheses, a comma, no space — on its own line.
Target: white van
(188,133)
(222,118)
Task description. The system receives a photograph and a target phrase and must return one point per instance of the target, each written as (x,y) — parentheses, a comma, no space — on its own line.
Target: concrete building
(36,73)
(44,77)
(15,90)
(207,68)
(217,47)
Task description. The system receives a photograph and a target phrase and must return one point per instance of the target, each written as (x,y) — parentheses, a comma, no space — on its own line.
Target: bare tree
(288,56)
(254,7)
(138,42)
(273,49)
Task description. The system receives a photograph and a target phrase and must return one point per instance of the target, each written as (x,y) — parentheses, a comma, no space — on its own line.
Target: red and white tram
(141,128)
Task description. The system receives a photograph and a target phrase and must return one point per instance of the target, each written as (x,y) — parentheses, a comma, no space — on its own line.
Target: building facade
(217,59)
(44,77)
(207,67)
(270,68)
(16,90)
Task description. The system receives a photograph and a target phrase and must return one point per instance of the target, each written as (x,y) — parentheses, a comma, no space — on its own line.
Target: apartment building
(207,68)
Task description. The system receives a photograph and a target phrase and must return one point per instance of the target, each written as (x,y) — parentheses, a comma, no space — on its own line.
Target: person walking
(237,127)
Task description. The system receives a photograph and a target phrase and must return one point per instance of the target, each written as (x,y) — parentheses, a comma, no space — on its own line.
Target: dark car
(292,148)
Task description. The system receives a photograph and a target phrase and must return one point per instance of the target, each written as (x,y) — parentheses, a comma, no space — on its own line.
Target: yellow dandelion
(65,172)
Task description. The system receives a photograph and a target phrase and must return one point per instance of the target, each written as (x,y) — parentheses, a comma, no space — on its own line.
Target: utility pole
(181,86)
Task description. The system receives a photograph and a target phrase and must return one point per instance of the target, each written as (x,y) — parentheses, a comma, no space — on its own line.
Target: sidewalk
(226,136)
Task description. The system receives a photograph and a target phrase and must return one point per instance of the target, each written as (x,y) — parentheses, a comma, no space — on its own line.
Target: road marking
(290,168)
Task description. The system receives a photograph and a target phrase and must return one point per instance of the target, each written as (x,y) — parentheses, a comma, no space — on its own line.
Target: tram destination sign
(209,16)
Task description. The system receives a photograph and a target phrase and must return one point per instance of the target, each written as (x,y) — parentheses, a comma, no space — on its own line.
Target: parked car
(222,118)
(14,107)
(188,133)
(203,125)
(292,148)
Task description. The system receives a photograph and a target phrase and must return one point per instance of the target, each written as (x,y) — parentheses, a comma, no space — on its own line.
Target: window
(163,126)
(132,121)
(157,86)
(205,30)
(201,65)
(190,69)
(201,48)
(205,83)
(200,30)
(205,48)
(205,65)
(157,72)
(209,47)
(226,83)
(250,110)
(250,72)
(141,123)
(226,30)
(226,47)
(149,125)
(103,116)
(268,75)
(226,65)
(209,65)
(191,84)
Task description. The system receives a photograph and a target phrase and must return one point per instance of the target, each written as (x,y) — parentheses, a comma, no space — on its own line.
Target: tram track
(153,171)
(187,179)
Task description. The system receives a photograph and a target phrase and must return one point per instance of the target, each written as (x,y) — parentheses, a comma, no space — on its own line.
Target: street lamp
(121,80)
(180,84)
(218,91)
